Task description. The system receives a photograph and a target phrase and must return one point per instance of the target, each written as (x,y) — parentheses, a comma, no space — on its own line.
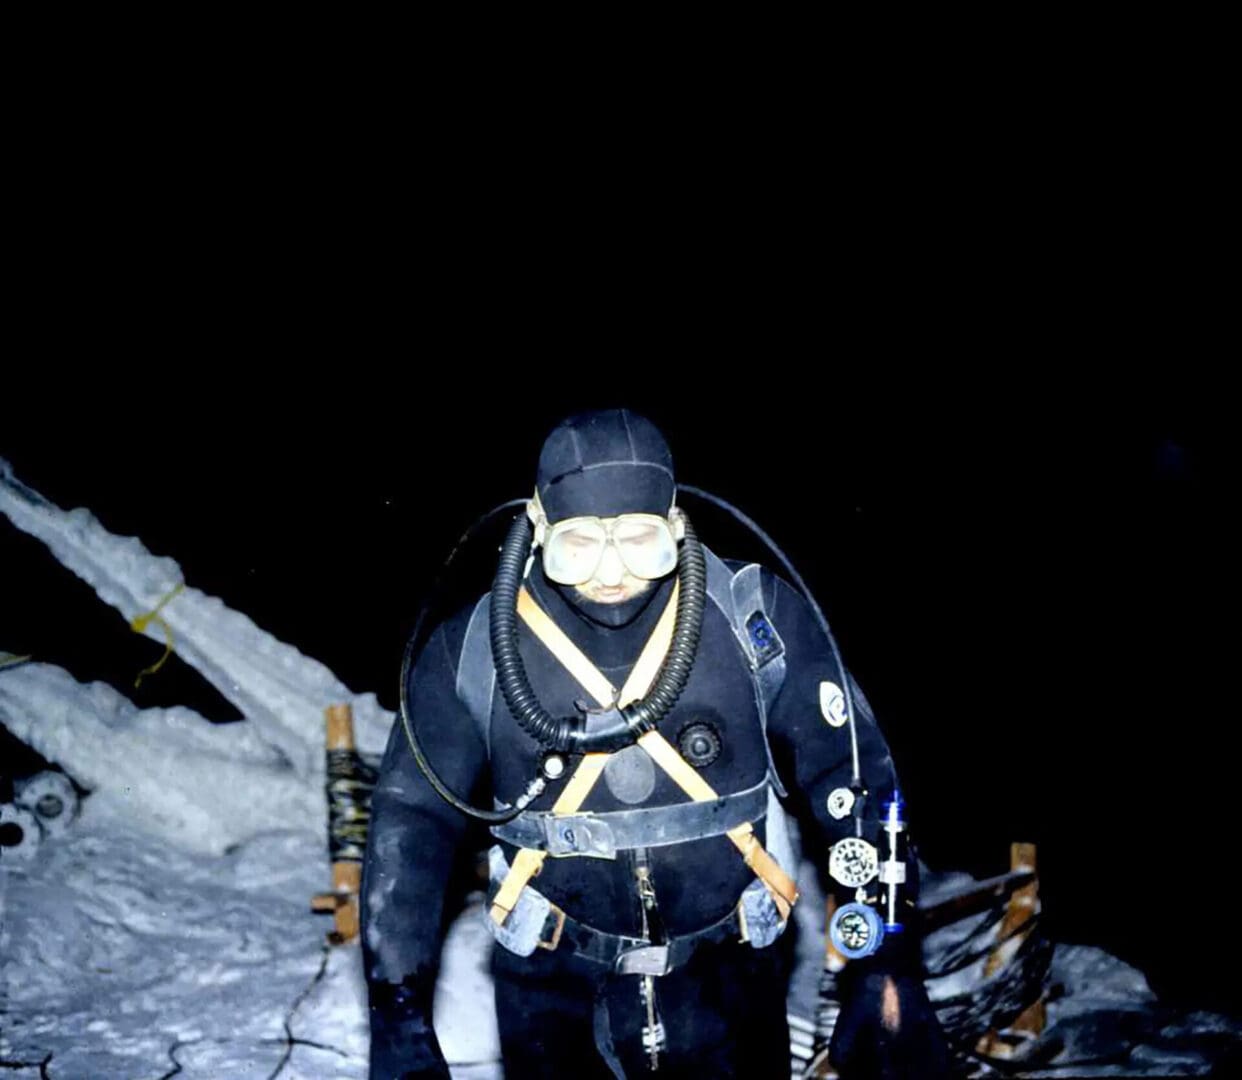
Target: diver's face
(612,583)
(608,560)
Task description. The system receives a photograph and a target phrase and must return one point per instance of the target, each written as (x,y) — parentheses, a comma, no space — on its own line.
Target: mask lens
(573,550)
(646,545)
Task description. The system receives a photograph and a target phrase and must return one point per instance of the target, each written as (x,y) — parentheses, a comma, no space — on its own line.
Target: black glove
(403,1044)
(887,1029)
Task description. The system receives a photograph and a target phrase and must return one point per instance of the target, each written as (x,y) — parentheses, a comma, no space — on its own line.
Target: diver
(640,715)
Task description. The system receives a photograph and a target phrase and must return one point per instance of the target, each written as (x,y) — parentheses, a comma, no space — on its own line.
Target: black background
(1027,581)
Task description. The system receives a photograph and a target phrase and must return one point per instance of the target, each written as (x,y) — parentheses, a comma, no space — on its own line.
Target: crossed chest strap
(549,827)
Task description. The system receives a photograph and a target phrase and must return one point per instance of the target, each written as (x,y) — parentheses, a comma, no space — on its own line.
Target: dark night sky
(1026,583)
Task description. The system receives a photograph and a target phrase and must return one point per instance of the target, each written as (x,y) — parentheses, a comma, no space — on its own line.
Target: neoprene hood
(605,463)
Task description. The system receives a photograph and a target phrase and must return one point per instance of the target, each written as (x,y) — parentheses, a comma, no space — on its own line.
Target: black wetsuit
(561,1015)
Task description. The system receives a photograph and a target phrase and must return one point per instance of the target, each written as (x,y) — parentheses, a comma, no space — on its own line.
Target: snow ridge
(282,692)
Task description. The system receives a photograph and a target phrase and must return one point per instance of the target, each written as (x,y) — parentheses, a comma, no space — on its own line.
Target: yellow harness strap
(571,657)
(528,862)
(767,869)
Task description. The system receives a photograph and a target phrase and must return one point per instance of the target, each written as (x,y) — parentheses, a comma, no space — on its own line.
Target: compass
(856,931)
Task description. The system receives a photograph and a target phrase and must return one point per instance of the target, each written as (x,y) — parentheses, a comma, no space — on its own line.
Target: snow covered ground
(128,957)
(168,932)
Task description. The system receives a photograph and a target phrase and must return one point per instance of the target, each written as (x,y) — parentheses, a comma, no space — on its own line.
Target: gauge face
(856,931)
(853,862)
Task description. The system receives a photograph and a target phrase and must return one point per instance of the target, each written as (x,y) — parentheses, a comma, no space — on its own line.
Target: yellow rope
(139,623)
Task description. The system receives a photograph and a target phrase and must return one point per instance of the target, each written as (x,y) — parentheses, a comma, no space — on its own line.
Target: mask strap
(536,516)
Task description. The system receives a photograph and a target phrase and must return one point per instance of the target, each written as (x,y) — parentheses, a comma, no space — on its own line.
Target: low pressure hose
(569,734)
(493,817)
(643,716)
(532,717)
(413,647)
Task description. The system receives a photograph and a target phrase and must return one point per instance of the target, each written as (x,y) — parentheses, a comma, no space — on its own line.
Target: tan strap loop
(526,865)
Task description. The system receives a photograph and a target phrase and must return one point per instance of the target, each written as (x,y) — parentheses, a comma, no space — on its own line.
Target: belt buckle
(555,939)
(578,834)
(644,960)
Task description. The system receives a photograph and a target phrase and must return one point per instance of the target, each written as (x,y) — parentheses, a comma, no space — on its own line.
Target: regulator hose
(816,610)
(413,647)
(570,735)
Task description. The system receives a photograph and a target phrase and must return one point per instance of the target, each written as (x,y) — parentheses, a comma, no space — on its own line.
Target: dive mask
(573,548)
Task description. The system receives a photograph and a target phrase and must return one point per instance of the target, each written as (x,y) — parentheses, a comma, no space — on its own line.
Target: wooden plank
(1023,906)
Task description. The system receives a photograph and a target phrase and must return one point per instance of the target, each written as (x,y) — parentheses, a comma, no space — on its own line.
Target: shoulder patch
(832,703)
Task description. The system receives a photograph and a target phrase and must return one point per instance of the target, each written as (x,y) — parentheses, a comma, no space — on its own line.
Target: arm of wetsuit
(411,844)
(886,1026)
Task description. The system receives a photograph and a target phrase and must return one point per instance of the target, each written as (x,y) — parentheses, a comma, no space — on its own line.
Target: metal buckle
(644,960)
(555,940)
(578,834)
